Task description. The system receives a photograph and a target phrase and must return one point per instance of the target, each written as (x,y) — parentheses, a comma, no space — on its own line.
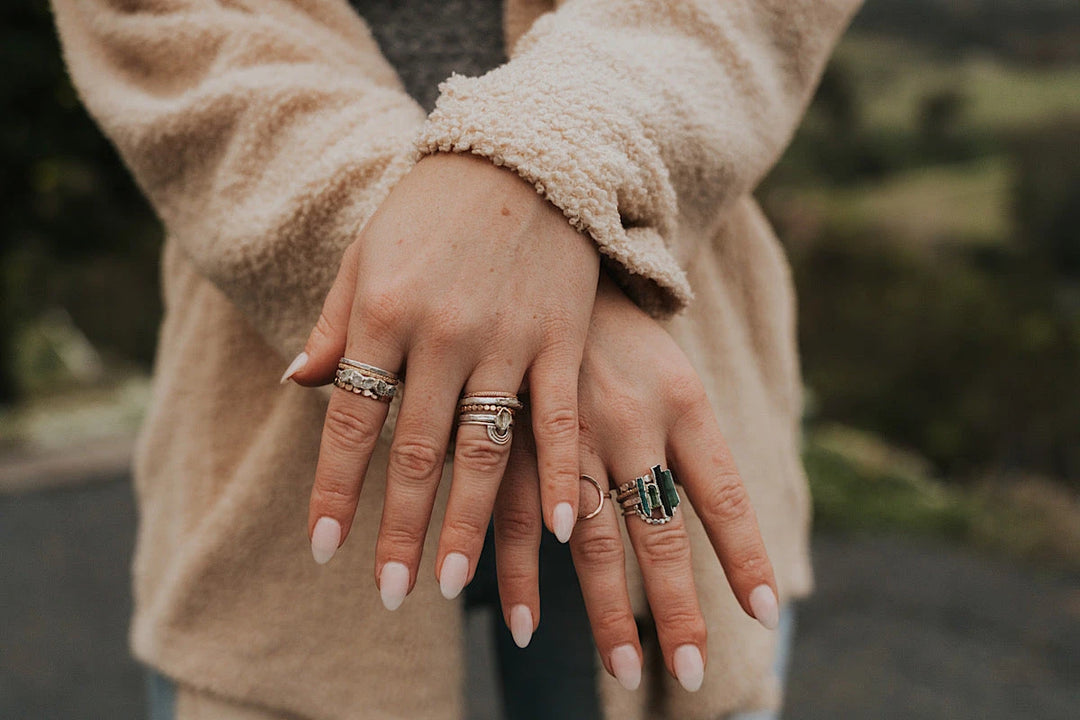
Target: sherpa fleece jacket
(265,133)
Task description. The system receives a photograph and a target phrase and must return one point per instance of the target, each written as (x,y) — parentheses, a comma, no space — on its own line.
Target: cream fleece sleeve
(263,132)
(640,119)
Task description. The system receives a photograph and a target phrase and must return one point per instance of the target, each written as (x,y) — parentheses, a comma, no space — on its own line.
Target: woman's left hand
(640,404)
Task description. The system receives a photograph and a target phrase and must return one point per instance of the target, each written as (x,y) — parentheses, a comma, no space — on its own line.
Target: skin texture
(641,403)
(611,394)
(464,279)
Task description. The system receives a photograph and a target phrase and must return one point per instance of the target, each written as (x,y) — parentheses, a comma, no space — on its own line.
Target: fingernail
(325,538)
(626,666)
(393,584)
(455,570)
(521,624)
(294,367)
(763,603)
(562,521)
(689,667)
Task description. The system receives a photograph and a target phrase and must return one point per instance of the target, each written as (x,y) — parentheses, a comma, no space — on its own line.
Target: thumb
(317,364)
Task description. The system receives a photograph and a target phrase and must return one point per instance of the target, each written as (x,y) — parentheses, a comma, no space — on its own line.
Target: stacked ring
(367,380)
(494,410)
(653,497)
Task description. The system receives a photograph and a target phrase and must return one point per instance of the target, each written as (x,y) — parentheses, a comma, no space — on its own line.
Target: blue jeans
(554,677)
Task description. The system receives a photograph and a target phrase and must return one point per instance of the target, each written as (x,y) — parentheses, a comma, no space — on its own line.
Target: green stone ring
(653,497)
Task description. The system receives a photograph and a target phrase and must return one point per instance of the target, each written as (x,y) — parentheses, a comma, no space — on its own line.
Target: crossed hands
(465,280)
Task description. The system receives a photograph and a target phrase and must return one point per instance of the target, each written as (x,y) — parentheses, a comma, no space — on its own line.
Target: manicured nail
(626,666)
(521,624)
(562,521)
(454,573)
(689,667)
(325,538)
(393,584)
(294,367)
(763,603)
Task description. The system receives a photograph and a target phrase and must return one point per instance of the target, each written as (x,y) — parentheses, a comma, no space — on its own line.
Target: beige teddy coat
(265,133)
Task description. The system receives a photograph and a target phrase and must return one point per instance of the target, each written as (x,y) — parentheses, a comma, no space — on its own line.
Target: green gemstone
(671,495)
(646,507)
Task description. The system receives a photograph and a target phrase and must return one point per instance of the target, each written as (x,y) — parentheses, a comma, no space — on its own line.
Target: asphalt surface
(897,629)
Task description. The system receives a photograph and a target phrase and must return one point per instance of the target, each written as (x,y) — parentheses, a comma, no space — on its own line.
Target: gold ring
(600,495)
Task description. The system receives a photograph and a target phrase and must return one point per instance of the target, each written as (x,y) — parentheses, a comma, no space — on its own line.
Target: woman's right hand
(470,278)
(641,404)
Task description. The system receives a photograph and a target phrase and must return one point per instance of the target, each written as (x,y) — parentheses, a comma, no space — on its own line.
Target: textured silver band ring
(652,497)
(601,497)
(490,401)
(367,380)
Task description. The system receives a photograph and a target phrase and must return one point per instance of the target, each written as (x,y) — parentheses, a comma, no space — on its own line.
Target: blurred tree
(1046,195)
(76,232)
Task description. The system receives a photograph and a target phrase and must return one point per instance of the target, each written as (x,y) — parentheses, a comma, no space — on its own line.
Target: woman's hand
(464,279)
(641,404)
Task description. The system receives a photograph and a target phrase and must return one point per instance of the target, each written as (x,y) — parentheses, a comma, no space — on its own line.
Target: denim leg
(160,696)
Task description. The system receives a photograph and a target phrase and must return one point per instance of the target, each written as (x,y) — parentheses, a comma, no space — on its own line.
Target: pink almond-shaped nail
(689,667)
(452,576)
(325,538)
(294,367)
(763,603)
(521,625)
(393,584)
(626,665)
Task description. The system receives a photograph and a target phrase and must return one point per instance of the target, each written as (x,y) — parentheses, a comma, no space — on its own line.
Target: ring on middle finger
(653,497)
(494,410)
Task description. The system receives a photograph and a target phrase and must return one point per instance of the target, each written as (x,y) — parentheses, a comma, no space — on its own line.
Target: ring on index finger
(494,410)
(367,380)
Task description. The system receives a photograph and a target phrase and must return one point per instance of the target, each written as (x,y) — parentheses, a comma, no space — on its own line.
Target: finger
(553,395)
(414,470)
(479,462)
(351,429)
(663,553)
(706,469)
(326,343)
(597,549)
(518,527)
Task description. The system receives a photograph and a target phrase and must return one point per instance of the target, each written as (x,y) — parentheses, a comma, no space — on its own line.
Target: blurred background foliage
(930,204)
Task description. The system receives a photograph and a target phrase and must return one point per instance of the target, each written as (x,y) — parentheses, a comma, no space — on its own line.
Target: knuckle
(726,500)
(750,565)
(559,424)
(383,312)
(599,549)
(334,498)
(401,536)
(415,459)
(347,428)
(662,545)
(516,526)
(685,390)
(481,456)
(684,619)
(465,526)
(612,624)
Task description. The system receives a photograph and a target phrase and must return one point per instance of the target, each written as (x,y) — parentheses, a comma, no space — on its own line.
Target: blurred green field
(893,76)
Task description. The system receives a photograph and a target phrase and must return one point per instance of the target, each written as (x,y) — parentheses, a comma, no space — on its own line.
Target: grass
(893,77)
(862,485)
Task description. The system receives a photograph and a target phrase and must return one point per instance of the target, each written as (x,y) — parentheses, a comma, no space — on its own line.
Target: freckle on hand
(505,210)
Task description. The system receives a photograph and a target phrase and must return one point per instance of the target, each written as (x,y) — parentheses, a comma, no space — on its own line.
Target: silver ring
(601,495)
(489,402)
(499,424)
(367,380)
(652,497)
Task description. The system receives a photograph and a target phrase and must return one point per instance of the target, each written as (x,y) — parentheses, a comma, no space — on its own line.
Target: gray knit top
(426,40)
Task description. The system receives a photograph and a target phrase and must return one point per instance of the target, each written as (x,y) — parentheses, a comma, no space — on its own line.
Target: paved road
(897,629)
